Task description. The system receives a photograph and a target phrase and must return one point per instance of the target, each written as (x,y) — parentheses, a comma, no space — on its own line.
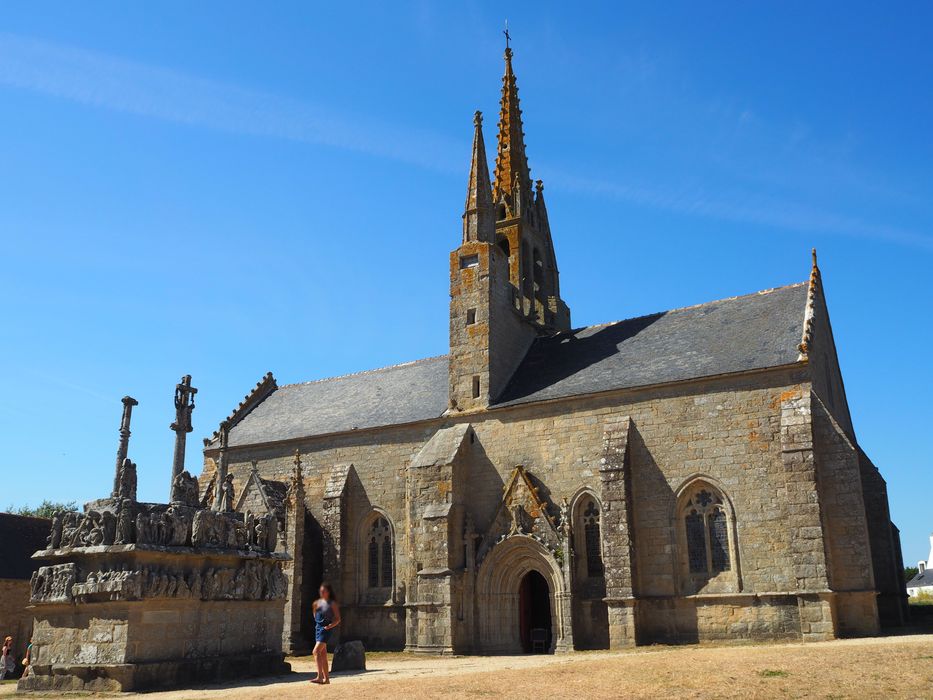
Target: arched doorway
(502,576)
(534,613)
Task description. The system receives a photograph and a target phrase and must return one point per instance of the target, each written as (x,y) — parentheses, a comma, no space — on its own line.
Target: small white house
(923,581)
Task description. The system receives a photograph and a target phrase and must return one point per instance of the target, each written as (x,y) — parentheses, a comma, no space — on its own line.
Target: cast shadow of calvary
(559,357)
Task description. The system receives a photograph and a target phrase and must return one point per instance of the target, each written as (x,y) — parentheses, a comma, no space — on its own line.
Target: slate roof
(275,491)
(20,538)
(731,335)
(401,394)
(744,333)
(921,579)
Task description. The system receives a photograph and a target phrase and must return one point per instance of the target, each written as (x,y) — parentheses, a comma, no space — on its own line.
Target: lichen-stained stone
(685,475)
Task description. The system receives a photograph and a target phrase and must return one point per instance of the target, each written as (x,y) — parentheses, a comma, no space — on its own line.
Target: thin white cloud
(109,82)
(748,209)
(113,83)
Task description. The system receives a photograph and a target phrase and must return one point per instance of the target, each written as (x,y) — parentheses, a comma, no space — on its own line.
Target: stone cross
(123,448)
(184,405)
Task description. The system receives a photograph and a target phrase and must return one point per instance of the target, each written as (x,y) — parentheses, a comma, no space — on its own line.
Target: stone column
(123,447)
(184,405)
(615,530)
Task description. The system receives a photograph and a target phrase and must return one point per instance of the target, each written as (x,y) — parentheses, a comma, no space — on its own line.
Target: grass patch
(773,673)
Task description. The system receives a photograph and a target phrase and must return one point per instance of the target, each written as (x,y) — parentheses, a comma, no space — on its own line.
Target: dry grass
(894,667)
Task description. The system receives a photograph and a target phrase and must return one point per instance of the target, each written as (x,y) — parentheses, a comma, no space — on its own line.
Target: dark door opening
(534,616)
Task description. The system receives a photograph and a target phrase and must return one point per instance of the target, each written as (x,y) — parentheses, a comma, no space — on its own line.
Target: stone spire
(511,163)
(479,222)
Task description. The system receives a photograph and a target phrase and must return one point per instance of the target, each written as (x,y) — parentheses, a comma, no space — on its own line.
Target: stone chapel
(688,475)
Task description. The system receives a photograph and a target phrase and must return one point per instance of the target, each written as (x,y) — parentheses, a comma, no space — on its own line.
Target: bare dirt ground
(889,667)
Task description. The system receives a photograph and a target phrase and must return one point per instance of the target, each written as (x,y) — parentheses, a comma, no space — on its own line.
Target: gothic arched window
(706,533)
(587,539)
(594,557)
(379,556)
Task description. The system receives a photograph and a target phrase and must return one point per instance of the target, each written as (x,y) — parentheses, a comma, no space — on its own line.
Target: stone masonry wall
(15,619)
(885,545)
(738,432)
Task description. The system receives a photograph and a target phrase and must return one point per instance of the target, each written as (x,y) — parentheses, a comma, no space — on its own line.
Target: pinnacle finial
(510,158)
(478,217)
(539,186)
(814,257)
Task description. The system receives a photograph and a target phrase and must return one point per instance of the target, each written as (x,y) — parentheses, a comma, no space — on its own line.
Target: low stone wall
(719,617)
(377,626)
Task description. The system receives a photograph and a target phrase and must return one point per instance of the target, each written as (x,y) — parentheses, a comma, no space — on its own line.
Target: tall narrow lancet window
(587,539)
(594,557)
(379,554)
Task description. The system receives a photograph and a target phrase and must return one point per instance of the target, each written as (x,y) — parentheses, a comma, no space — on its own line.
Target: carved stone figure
(155,529)
(126,487)
(124,533)
(108,526)
(185,490)
(259,538)
(143,535)
(230,527)
(227,494)
(55,537)
(250,529)
(200,527)
(565,519)
(519,523)
(179,526)
(69,525)
(83,534)
(53,584)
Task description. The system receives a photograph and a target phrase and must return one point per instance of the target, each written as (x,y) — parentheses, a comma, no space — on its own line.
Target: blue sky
(224,189)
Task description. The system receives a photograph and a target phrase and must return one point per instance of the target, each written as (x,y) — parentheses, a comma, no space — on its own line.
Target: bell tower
(503,278)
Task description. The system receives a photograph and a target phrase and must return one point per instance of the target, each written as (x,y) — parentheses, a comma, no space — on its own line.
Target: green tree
(44,510)
(910,572)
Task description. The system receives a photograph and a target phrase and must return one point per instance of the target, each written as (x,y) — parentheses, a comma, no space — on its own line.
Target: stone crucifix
(184,405)
(124,446)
